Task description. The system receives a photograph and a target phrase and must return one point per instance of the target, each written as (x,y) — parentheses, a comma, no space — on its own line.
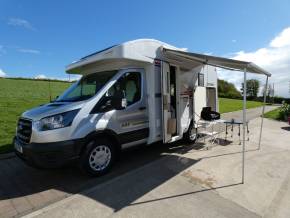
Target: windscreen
(86,87)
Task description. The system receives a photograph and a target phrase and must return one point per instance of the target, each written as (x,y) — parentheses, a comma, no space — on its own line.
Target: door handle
(142,108)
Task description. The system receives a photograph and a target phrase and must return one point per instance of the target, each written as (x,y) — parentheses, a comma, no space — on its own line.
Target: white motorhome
(138,92)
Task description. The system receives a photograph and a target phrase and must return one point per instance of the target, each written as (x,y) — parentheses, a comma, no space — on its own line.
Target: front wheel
(98,157)
(191,135)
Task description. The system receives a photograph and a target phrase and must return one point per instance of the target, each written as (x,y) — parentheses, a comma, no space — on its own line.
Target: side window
(129,84)
(132,87)
(200,79)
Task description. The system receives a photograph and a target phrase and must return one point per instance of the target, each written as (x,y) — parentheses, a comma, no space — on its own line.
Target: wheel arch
(107,133)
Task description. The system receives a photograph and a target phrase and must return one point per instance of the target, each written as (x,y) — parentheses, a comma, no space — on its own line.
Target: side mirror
(124,103)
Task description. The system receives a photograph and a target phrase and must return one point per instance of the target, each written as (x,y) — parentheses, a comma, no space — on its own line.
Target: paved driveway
(196,183)
(24,189)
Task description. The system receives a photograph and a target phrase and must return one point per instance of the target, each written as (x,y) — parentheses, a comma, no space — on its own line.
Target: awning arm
(244,123)
(263,111)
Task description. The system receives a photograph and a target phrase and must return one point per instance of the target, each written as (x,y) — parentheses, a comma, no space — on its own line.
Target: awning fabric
(221,62)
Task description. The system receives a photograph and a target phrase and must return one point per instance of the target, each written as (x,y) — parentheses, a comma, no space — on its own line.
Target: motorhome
(138,92)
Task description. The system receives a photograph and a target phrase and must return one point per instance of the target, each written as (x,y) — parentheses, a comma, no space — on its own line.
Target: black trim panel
(133,136)
(52,154)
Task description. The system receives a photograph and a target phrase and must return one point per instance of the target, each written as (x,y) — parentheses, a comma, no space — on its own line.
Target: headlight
(56,121)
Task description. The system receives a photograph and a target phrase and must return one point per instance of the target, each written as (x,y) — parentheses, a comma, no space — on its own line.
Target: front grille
(24,129)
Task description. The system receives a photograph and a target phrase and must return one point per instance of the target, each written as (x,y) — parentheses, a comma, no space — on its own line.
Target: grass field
(16,96)
(229,105)
(274,114)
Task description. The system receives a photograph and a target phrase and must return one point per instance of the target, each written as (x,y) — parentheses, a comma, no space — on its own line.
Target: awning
(221,62)
(228,64)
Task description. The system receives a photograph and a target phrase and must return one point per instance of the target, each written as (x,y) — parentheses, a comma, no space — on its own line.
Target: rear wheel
(98,157)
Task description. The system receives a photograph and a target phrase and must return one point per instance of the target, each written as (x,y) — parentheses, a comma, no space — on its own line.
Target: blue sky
(41,37)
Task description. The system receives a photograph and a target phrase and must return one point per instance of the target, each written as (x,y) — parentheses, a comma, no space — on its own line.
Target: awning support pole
(244,123)
(263,111)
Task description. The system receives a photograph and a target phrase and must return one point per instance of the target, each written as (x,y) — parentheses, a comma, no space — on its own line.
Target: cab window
(130,87)
(87,87)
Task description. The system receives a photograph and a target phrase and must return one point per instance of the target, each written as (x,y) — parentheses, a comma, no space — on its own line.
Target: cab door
(129,122)
(132,122)
(165,90)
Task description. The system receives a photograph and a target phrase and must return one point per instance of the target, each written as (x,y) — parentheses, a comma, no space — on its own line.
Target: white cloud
(3,50)
(234,40)
(21,23)
(282,39)
(71,78)
(74,77)
(274,57)
(30,51)
(2,73)
(40,76)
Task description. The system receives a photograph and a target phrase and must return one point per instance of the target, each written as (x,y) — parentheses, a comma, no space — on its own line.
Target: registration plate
(18,147)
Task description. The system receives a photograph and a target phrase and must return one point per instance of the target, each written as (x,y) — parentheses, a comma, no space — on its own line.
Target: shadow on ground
(128,189)
(22,181)
(287,128)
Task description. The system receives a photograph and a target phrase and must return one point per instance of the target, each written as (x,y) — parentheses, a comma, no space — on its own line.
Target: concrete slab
(196,183)
(36,189)
(266,170)
(157,190)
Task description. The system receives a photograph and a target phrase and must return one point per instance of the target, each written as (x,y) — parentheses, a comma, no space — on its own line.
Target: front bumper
(49,155)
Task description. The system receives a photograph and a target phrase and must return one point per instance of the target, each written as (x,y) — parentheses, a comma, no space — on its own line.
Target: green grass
(16,96)
(229,105)
(274,114)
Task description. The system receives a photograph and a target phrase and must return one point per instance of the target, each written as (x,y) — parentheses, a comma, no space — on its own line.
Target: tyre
(98,157)
(191,135)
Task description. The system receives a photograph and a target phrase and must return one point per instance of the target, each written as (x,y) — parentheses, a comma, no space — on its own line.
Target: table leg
(226,132)
(248,131)
(239,134)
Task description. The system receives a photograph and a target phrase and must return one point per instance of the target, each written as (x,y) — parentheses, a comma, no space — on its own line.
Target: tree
(269,92)
(227,90)
(253,86)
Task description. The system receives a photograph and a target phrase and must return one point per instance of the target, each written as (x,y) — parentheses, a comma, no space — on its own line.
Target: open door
(211,98)
(199,101)
(166,112)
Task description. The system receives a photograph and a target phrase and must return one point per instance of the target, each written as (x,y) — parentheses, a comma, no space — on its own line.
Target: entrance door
(211,98)
(166,112)
(199,101)
(173,100)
